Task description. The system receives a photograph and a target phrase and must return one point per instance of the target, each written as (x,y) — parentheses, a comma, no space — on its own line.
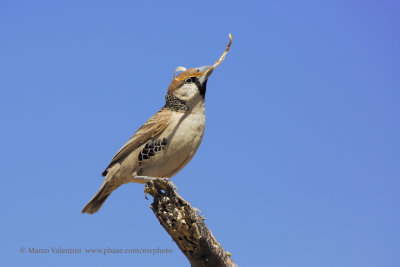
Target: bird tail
(98,200)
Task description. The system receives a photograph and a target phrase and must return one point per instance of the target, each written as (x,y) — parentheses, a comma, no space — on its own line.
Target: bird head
(190,84)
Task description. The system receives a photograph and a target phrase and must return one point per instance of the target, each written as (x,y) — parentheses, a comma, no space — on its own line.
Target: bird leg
(144,179)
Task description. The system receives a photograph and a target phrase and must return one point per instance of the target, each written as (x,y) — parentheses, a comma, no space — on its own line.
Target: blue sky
(299,165)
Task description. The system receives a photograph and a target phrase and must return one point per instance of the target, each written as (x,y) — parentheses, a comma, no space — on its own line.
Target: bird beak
(203,79)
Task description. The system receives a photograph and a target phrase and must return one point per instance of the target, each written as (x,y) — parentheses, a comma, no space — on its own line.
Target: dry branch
(186,226)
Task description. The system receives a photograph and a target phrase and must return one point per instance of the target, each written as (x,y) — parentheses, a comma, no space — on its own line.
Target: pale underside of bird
(167,141)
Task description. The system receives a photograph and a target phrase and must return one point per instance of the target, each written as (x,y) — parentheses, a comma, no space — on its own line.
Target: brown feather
(151,129)
(176,83)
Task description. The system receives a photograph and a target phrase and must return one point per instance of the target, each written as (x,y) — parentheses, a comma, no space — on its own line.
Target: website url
(101,251)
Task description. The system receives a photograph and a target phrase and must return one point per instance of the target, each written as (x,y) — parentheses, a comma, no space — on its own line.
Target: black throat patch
(202,87)
(174,103)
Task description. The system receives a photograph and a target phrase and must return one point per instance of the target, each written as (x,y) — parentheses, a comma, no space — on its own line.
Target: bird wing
(152,128)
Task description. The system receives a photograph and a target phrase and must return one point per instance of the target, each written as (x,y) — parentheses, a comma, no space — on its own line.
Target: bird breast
(183,136)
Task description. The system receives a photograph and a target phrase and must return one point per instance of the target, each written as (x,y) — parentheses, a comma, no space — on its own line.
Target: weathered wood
(186,226)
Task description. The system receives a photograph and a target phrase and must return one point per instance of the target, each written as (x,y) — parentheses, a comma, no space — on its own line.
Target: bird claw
(146,179)
(146,191)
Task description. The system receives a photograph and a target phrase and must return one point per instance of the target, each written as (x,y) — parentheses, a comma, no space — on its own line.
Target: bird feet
(145,179)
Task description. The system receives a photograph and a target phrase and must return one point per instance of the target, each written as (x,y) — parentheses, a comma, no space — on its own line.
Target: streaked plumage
(151,129)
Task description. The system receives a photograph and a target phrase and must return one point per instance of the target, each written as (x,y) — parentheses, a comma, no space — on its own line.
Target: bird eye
(189,80)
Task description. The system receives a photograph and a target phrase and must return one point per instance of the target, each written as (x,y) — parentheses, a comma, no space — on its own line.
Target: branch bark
(186,226)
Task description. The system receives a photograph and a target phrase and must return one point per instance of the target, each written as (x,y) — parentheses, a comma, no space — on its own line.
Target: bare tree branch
(186,226)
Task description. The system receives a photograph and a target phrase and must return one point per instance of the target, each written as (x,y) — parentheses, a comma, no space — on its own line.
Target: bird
(167,141)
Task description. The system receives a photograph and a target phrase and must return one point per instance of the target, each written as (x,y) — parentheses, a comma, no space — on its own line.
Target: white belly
(184,137)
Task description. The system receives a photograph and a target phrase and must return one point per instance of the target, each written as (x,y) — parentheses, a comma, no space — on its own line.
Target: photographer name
(54,250)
